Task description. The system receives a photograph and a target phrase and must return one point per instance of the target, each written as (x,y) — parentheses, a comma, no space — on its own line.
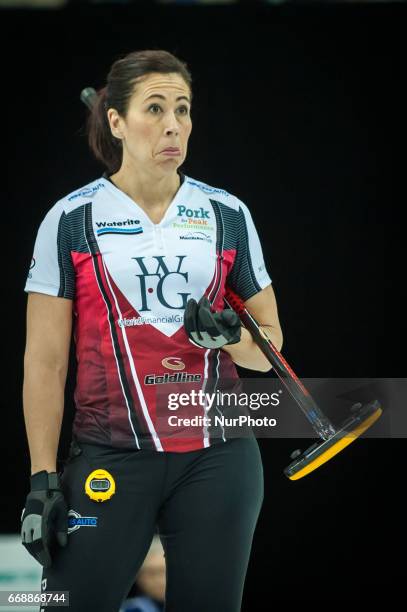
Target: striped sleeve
(249,274)
(51,269)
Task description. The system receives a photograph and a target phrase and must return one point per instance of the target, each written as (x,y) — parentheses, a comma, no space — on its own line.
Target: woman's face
(158,116)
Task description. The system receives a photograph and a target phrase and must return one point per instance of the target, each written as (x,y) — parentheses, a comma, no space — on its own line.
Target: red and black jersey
(129,280)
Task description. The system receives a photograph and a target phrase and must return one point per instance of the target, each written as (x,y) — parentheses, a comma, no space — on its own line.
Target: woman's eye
(155,106)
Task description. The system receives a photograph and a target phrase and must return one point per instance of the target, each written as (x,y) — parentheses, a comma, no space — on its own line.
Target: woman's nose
(170,130)
(171,124)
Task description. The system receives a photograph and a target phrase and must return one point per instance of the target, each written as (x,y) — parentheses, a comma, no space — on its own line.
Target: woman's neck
(149,192)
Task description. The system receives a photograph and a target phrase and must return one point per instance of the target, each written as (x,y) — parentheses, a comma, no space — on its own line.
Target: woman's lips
(171,152)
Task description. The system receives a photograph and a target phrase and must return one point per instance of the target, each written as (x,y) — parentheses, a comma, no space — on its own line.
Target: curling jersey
(129,280)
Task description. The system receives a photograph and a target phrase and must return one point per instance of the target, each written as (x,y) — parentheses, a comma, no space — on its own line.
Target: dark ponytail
(116,94)
(105,147)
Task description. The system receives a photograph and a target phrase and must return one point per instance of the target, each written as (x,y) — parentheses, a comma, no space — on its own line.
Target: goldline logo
(173,363)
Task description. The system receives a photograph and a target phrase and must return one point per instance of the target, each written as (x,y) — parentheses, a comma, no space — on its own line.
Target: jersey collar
(128,200)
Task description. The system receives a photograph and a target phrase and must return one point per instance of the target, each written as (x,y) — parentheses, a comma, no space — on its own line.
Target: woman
(125,257)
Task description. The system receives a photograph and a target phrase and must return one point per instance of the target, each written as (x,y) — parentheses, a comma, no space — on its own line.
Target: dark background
(300,112)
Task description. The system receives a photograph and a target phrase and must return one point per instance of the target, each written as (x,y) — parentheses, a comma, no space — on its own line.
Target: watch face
(99,484)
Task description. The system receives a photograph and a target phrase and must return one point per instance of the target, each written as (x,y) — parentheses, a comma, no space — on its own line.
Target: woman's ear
(115,122)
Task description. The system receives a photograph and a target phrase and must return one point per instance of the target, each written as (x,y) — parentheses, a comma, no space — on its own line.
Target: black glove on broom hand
(211,329)
(44,518)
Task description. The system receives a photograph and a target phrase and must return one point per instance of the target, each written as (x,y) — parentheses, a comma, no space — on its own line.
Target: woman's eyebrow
(164,98)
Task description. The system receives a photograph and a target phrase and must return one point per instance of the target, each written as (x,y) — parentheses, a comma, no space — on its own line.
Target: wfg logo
(162,272)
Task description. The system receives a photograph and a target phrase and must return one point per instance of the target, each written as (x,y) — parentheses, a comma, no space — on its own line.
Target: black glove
(211,329)
(44,518)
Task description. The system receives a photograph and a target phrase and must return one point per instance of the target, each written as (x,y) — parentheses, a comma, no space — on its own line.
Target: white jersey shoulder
(221,195)
(83,194)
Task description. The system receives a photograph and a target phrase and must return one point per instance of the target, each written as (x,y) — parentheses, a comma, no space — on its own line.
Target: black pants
(204,505)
